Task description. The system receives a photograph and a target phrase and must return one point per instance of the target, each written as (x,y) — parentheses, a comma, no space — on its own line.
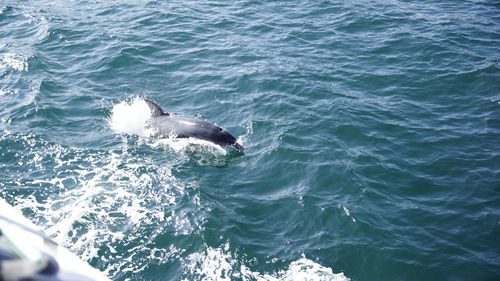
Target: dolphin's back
(156,110)
(182,127)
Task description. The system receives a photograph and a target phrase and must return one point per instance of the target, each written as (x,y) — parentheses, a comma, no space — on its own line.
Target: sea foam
(221,264)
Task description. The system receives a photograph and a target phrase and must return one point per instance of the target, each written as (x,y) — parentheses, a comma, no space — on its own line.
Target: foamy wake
(95,201)
(220,264)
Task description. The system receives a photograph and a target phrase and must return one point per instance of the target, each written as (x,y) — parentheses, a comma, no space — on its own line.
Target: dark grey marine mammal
(167,125)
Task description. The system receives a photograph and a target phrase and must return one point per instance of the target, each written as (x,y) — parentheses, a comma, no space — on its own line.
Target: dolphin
(166,125)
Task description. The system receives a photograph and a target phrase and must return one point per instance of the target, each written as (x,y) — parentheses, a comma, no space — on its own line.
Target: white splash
(307,270)
(131,117)
(180,145)
(220,264)
(243,139)
(14,61)
(215,264)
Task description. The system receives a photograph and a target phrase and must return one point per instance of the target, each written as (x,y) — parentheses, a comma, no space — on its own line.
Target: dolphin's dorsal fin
(155,109)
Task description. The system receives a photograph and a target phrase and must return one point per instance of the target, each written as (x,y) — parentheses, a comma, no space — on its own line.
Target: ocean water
(371,131)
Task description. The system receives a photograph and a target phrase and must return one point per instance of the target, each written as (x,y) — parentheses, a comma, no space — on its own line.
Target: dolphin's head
(224,138)
(238,147)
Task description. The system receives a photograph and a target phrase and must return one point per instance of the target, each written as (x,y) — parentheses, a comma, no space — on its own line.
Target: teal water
(371,129)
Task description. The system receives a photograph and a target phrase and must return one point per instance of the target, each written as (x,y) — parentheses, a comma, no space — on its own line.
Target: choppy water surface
(371,128)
